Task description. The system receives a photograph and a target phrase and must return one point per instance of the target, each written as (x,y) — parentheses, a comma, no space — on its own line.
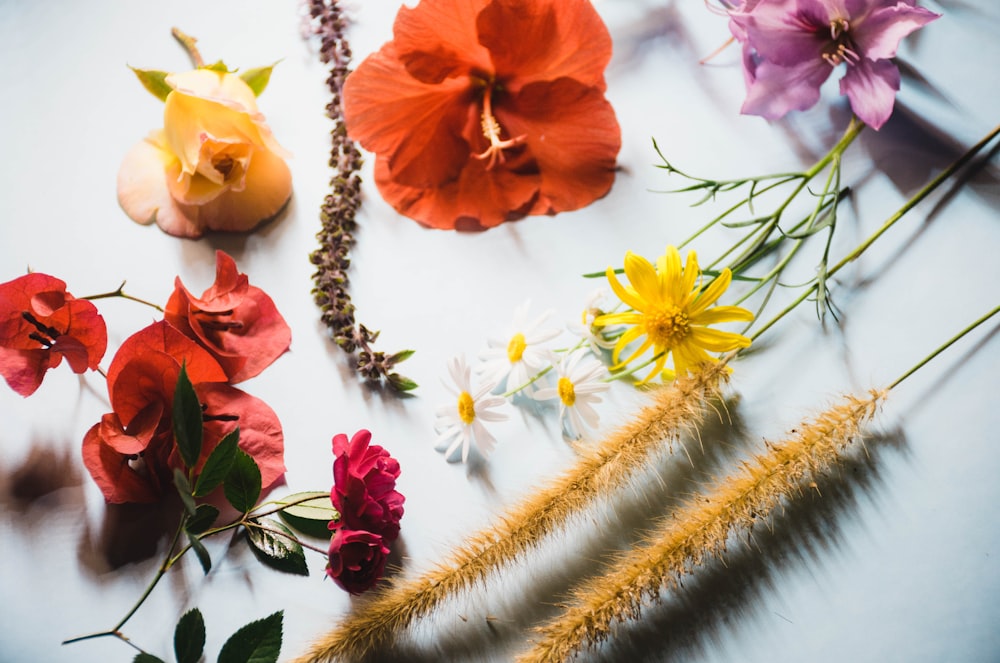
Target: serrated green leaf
(184,490)
(218,464)
(257,642)
(310,517)
(257,78)
(187,420)
(189,637)
(201,553)
(279,551)
(203,518)
(143,657)
(242,485)
(154,81)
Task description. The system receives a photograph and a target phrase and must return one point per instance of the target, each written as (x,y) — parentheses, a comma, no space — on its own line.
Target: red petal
(437,39)
(574,137)
(24,369)
(111,472)
(542,40)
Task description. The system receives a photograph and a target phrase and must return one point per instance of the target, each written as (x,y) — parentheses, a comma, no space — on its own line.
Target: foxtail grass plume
(598,473)
(699,531)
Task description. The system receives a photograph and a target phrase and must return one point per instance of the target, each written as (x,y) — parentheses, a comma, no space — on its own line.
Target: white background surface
(898,561)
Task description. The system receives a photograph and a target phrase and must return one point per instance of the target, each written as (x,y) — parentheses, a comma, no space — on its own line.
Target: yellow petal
(716,340)
(718,314)
(712,293)
(628,296)
(268,188)
(642,275)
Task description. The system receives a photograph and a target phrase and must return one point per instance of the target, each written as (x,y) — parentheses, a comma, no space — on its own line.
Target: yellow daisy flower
(672,311)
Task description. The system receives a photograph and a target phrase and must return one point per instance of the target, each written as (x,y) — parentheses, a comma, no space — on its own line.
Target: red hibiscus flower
(364,490)
(235,321)
(483,111)
(40,323)
(357,559)
(131,453)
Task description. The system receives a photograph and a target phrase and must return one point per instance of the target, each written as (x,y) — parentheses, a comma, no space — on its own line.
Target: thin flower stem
(120,292)
(947,344)
(910,204)
(188,42)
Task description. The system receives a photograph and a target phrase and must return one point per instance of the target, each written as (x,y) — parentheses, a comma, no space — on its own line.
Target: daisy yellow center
(466,407)
(515,349)
(667,327)
(492,131)
(566,391)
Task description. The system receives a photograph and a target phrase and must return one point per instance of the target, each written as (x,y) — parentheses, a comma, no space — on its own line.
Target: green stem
(120,292)
(910,204)
(943,347)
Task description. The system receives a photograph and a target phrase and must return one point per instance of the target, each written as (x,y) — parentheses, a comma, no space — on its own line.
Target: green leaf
(258,78)
(311,517)
(154,81)
(187,420)
(203,518)
(242,486)
(189,637)
(143,657)
(200,551)
(257,642)
(218,66)
(403,355)
(279,551)
(218,464)
(184,490)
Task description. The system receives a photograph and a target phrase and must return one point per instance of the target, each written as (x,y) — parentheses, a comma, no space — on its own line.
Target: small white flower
(514,361)
(586,330)
(577,388)
(460,424)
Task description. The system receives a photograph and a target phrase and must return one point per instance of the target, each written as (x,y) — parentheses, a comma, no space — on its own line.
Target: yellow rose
(213,166)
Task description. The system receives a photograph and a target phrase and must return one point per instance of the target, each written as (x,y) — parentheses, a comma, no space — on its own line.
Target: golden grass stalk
(598,472)
(700,529)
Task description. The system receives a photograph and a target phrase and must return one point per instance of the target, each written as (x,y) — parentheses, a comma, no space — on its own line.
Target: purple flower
(790,47)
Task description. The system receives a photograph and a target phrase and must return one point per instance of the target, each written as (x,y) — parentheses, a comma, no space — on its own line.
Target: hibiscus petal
(871,88)
(542,40)
(572,134)
(414,127)
(436,39)
(878,36)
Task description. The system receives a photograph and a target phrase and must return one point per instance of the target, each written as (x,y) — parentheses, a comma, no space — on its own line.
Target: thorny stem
(120,292)
(910,204)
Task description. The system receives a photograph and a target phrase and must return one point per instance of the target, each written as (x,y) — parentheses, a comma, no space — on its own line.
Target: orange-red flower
(483,111)
(236,322)
(131,453)
(40,323)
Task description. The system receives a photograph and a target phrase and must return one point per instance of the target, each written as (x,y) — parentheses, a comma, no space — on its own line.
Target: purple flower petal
(777,90)
(878,36)
(871,87)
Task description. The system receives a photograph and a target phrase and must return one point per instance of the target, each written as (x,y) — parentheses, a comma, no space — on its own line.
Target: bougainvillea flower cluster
(790,48)
(40,325)
(370,507)
(484,111)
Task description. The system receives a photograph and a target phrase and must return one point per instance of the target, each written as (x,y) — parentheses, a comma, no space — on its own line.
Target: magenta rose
(357,559)
(364,490)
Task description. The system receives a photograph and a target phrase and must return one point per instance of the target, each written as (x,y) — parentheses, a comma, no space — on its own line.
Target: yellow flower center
(491,130)
(667,327)
(566,391)
(515,349)
(466,407)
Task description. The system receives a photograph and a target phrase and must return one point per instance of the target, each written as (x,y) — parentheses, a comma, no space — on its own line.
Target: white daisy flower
(460,424)
(577,388)
(585,329)
(515,360)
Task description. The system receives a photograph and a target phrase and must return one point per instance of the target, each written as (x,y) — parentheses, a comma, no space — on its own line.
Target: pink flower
(40,324)
(364,490)
(357,559)
(236,322)
(791,47)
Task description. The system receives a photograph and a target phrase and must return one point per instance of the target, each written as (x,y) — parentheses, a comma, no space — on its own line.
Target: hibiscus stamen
(492,130)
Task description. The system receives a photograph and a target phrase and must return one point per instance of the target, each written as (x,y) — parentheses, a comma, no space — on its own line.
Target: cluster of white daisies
(523,368)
